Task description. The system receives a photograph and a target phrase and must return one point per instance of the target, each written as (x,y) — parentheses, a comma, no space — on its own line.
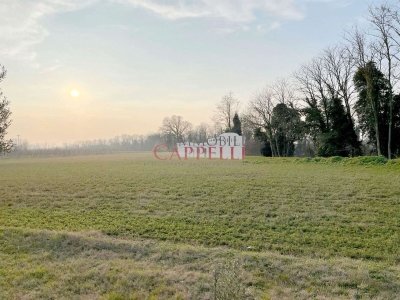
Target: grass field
(126,226)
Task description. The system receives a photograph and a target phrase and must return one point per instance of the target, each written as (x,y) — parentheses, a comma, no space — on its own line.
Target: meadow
(127,226)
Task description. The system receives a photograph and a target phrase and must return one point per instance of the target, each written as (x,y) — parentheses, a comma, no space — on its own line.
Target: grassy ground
(127,226)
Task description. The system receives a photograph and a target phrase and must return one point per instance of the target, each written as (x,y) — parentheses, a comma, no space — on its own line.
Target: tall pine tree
(237,125)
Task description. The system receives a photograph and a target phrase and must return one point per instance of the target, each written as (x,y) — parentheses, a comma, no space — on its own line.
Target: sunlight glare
(74,93)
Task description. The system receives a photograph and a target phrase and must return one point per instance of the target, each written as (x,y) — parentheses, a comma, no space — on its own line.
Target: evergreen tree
(287,128)
(266,149)
(396,127)
(237,125)
(373,109)
(341,139)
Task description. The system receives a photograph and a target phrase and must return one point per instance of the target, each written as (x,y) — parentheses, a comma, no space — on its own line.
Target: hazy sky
(136,61)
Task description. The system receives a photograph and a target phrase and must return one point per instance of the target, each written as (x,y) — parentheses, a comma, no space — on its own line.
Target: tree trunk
(277,147)
(390,126)
(369,80)
(348,111)
(390,110)
(271,142)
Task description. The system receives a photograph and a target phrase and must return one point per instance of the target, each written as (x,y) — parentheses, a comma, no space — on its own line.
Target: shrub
(368,160)
(335,159)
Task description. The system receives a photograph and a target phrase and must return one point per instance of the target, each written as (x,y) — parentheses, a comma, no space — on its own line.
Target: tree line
(344,102)
(122,143)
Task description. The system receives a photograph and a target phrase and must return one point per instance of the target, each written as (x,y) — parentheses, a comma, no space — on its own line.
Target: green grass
(120,226)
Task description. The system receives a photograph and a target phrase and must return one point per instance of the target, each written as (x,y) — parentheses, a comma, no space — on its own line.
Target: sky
(135,62)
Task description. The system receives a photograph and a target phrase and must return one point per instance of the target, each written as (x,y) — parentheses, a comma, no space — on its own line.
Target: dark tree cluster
(5,122)
(342,103)
(373,109)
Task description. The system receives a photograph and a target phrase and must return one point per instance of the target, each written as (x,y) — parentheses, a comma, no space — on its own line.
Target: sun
(74,93)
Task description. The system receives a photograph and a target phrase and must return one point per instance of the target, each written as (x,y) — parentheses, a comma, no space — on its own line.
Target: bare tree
(5,122)
(259,115)
(283,92)
(325,79)
(383,20)
(363,53)
(175,127)
(226,109)
(340,67)
(200,133)
(312,81)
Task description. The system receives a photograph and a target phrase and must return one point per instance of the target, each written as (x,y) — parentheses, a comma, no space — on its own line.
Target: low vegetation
(128,226)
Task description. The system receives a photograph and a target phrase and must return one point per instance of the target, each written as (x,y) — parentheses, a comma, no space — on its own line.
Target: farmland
(128,226)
